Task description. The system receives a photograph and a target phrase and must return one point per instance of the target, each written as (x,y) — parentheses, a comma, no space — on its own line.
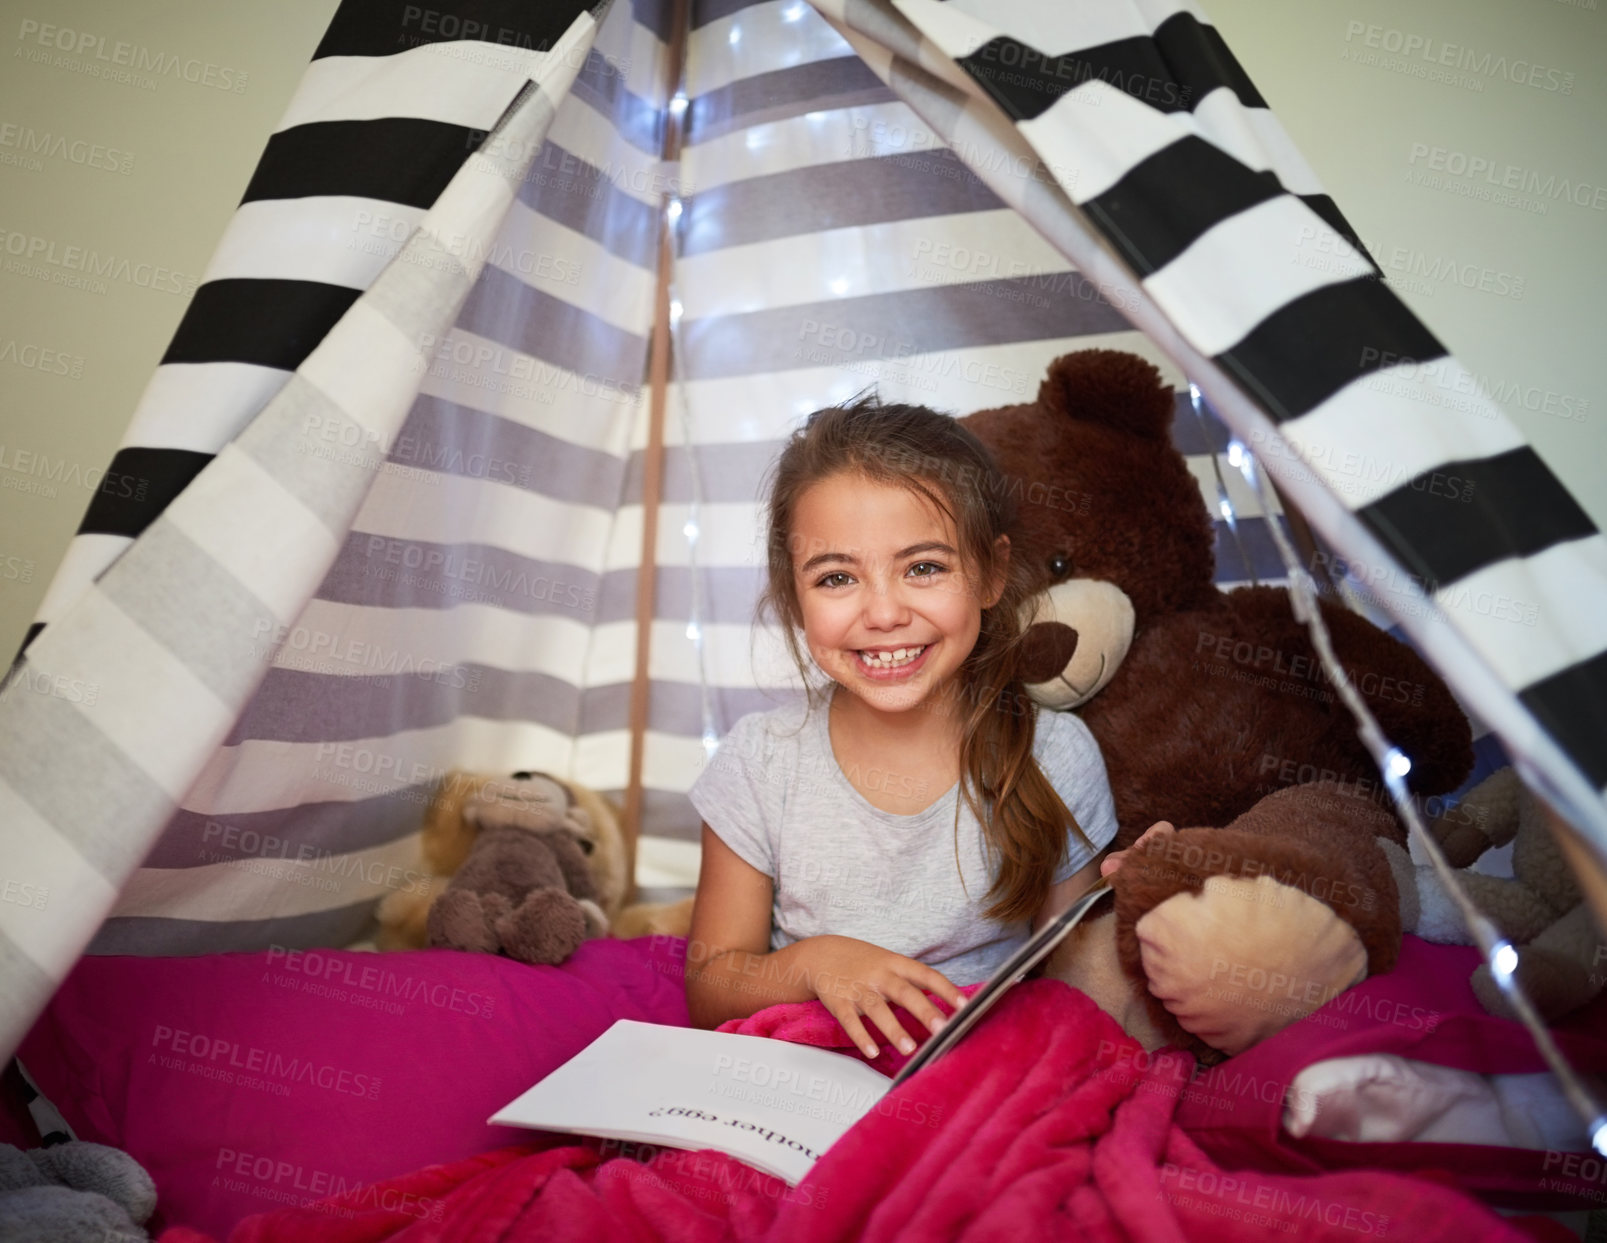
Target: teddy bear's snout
(1047,648)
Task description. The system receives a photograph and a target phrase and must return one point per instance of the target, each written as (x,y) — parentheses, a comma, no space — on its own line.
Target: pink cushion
(246,1082)
(1424,1009)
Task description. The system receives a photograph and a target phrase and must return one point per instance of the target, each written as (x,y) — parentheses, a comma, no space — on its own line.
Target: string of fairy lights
(674,210)
(1224,504)
(1395,764)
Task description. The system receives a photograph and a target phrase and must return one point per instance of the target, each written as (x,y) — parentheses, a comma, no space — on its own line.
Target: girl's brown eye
(1059,566)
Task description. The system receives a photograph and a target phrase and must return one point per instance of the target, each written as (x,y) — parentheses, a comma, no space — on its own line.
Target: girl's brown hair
(938,459)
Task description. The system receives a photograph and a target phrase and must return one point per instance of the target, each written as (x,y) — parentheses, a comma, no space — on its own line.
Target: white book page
(775,1105)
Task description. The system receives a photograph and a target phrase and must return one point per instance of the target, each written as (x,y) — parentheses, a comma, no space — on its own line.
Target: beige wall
(145,171)
(182,153)
(1371,129)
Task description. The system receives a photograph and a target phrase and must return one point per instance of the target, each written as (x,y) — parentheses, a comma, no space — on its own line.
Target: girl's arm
(731,933)
(732,973)
(1105,863)
(1068,891)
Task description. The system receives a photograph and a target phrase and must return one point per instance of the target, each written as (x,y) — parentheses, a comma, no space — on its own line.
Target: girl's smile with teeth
(892,659)
(875,565)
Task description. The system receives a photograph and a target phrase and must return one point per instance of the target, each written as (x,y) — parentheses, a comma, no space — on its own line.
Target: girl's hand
(1113,862)
(854,978)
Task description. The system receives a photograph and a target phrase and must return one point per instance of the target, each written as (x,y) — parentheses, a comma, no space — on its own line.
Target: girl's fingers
(918,1004)
(934,981)
(845,1014)
(880,1013)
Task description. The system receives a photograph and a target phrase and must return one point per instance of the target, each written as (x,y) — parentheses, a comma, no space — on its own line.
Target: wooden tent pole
(658,373)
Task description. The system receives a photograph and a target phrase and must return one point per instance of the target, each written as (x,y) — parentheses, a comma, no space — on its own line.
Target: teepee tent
(454,459)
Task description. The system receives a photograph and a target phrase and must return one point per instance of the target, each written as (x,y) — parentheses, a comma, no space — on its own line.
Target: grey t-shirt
(774,793)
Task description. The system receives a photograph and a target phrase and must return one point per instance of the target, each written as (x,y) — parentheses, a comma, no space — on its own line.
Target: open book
(775,1105)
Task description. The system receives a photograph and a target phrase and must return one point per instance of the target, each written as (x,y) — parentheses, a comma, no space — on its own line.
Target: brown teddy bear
(524,865)
(1202,700)
(1204,703)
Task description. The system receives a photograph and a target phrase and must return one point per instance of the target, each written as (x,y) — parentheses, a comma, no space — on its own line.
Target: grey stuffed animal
(73,1192)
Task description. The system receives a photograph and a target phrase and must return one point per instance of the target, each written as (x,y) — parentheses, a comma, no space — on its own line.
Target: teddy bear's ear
(1112,387)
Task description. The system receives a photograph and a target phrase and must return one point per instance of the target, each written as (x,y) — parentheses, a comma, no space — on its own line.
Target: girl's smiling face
(890,609)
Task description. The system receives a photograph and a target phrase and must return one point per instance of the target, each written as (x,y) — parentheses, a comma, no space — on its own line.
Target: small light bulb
(1598,1136)
(674,210)
(711,742)
(1235,454)
(840,286)
(692,631)
(1226,507)
(690,531)
(1396,763)
(1503,961)
(735,37)
(793,13)
(678,104)
(675,308)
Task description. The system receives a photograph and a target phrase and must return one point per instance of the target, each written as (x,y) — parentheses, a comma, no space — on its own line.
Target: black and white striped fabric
(393,103)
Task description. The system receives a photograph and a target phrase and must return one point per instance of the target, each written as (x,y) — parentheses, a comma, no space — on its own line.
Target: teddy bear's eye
(586,845)
(1059,565)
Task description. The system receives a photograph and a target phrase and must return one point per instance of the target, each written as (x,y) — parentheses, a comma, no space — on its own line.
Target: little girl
(902,831)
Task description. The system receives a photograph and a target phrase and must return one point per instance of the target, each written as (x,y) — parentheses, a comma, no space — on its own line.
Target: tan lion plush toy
(525,865)
(1539,908)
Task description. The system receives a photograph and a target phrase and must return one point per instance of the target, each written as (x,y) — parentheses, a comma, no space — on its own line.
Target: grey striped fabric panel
(830,241)
(1184,174)
(388,110)
(479,611)
(157,643)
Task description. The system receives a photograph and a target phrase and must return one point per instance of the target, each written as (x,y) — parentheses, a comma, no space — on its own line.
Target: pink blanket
(1038,1126)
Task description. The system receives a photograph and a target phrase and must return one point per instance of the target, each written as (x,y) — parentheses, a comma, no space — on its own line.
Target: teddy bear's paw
(1242,959)
(546,927)
(61,1215)
(1554,983)
(459,921)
